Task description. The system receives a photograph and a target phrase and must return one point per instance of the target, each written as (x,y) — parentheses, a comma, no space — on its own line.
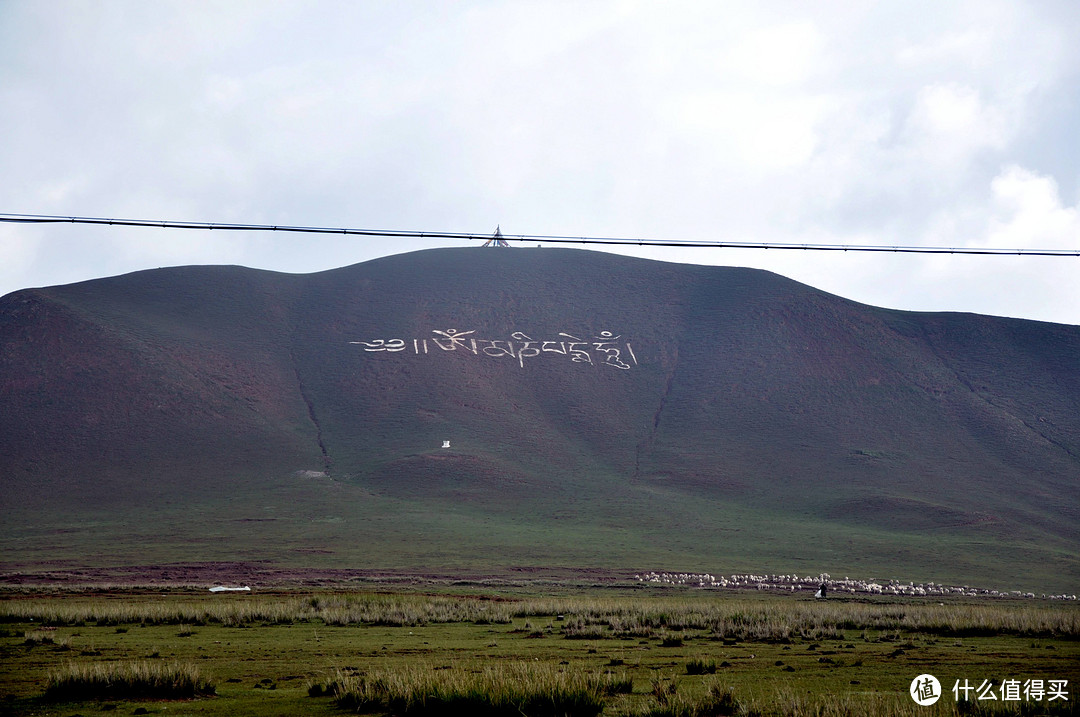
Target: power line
(546,238)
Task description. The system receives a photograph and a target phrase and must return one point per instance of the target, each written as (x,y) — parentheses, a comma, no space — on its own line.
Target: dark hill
(601,411)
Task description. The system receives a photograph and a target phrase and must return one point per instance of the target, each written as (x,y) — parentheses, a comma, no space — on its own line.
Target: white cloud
(949,123)
(776,55)
(970,47)
(836,122)
(1027,212)
(1022,210)
(746,132)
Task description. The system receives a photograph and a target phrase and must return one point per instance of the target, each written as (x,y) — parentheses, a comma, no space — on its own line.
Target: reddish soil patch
(271,576)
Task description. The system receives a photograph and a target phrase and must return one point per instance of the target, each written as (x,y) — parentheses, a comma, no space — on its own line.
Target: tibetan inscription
(605,349)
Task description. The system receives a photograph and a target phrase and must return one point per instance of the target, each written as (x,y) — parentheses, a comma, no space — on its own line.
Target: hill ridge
(781,426)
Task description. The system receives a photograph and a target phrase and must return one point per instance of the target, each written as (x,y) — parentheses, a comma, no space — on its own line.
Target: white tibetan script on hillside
(605,349)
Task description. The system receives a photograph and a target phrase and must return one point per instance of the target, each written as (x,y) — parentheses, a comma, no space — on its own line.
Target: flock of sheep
(841,585)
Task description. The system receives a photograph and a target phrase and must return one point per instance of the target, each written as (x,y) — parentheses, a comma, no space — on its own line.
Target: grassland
(468,650)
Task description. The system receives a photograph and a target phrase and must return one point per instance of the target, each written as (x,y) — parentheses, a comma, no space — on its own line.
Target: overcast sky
(896,123)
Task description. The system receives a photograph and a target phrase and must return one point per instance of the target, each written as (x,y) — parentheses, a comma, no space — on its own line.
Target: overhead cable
(545,238)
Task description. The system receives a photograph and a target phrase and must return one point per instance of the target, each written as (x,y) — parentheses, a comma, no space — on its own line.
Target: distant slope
(601,411)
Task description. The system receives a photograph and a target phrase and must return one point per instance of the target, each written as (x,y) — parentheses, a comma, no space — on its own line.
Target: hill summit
(484,410)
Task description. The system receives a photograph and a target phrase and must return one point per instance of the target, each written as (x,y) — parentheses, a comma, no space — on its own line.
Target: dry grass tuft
(126,680)
(512,690)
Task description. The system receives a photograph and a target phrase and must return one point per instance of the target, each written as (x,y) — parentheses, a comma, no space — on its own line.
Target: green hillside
(601,412)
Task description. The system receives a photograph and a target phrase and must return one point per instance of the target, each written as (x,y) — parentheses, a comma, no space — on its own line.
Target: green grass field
(461,649)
